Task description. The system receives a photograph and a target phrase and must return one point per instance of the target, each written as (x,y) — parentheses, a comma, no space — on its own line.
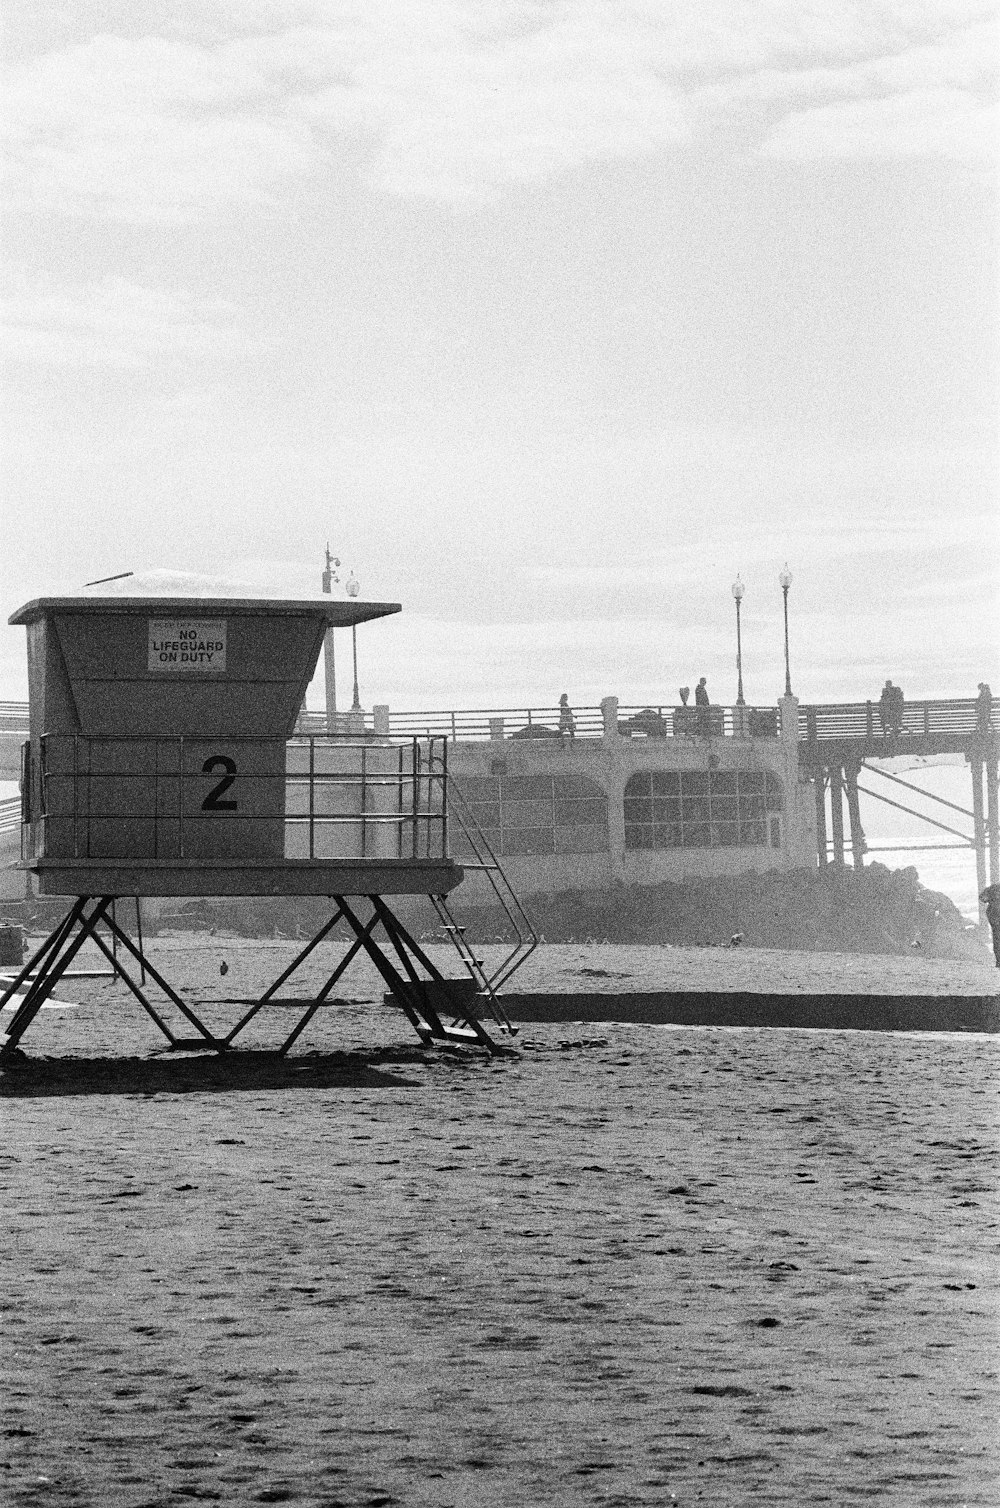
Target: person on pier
(567,722)
(990,897)
(984,709)
(701,701)
(890,708)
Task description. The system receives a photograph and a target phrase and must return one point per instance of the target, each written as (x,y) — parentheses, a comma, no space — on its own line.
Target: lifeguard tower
(163,761)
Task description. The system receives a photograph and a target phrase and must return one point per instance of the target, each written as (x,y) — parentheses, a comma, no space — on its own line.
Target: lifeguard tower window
(700,808)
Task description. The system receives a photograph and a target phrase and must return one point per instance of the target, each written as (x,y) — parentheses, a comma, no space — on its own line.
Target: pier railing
(957,717)
(639,722)
(865,720)
(13,717)
(472,725)
(505,722)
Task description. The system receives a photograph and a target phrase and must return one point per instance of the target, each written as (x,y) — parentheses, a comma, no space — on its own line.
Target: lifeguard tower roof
(335,614)
(176,665)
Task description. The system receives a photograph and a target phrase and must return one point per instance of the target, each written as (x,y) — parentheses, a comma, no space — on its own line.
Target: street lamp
(329,662)
(738,590)
(353,588)
(785,581)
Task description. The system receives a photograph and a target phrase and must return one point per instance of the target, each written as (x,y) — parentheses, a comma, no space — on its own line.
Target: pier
(832,752)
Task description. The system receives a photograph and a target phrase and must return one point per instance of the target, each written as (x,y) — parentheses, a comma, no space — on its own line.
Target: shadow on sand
(883,1013)
(232,1072)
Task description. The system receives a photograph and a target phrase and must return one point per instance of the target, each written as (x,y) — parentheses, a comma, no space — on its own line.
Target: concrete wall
(606,765)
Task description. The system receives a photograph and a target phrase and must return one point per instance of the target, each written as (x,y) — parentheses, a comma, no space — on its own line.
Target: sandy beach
(628,1265)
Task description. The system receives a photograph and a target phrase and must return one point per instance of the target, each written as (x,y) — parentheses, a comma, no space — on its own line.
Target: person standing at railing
(990,898)
(890,708)
(701,701)
(567,722)
(984,709)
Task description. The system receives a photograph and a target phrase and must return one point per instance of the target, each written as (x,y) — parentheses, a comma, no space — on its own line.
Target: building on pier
(641,805)
(644,795)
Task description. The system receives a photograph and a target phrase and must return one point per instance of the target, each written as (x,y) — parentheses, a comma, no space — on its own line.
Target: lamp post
(329,663)
(785,581)
(353,588)
(738,590)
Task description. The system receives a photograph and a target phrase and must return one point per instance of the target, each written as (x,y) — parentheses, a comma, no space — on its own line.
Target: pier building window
(701,808)
(523,815)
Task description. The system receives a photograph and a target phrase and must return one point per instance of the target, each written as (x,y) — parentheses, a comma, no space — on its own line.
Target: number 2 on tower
(213,802)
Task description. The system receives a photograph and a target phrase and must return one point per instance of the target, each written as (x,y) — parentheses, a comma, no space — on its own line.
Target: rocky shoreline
(876,911)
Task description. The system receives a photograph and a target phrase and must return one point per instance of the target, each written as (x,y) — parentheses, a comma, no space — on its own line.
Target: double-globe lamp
(353,586)
(784,581)
(738,590)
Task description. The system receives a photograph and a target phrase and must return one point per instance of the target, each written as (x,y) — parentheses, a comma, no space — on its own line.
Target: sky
(552,316)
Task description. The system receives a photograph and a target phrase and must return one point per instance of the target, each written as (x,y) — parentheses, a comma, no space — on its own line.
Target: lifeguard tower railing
(113,798)
(162,798)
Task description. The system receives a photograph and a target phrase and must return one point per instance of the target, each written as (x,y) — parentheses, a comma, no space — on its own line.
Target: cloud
(459,117)
(148,130)
(922,123)
(454,100)
(112,323)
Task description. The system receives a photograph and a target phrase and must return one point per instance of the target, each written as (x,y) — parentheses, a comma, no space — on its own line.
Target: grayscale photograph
(499,802)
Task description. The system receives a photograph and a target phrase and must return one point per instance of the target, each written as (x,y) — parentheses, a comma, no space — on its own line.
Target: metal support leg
(138,938)
(979,830)
(837,812)
(993,818)
(420,1016)
(858,844)
(417,986)
(56,964)
(123,974)
(819,788)
(50,946)
(399,935)
(286,974)
(159,980)
(342,967)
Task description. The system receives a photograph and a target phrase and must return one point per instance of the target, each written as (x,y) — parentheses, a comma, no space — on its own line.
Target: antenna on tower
(329,572)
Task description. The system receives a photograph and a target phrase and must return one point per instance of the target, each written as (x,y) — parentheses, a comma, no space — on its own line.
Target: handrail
(86,796)
(962,716)
(646,720)
(486,861)
(816,720)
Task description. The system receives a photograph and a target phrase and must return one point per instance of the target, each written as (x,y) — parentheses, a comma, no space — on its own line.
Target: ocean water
(952,871)
(949,870)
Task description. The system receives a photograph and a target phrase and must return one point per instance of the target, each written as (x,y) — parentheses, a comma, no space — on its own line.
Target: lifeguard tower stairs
(163,761)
